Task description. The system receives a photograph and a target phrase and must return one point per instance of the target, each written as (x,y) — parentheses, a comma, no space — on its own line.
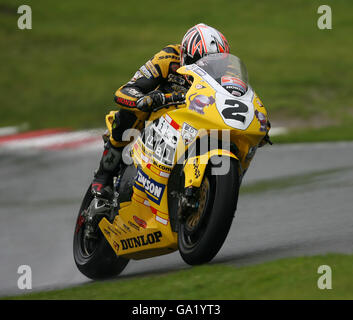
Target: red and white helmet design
(200,41)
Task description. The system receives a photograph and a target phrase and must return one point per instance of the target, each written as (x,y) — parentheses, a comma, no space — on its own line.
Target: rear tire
(200,242)
(95,260)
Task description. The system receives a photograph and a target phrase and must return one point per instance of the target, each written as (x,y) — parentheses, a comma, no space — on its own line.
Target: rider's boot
(102,184)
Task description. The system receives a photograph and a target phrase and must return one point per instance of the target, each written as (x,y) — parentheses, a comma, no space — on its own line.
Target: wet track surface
(297,200)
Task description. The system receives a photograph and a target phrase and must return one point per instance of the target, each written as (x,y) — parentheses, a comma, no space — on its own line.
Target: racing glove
(155,98)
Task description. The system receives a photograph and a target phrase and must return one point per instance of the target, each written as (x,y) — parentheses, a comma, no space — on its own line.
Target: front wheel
(204,231)
(93,255)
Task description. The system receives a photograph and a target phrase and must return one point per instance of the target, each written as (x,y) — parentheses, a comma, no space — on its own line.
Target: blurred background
(65,70)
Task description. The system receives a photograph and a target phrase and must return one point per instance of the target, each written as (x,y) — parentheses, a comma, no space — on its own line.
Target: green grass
(65,70)
(342,132)
(291,278)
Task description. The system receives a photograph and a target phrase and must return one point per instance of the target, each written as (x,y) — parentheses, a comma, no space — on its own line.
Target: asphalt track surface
(300,203)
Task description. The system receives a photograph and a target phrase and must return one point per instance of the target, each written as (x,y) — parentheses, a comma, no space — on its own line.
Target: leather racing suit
(157,75)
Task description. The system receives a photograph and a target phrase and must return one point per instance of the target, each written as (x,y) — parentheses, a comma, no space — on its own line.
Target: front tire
(95,258)
(203,233)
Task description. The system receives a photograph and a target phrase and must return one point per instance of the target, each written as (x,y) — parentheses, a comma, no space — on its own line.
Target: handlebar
(172,100)
(175,97)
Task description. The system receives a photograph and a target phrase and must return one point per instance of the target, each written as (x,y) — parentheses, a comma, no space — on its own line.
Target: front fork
(188,201)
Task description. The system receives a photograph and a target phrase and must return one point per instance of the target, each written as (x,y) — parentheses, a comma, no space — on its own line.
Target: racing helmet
(199,41)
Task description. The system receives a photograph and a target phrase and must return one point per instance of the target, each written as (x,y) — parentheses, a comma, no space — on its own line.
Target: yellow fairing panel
(135,229)
(195,167)
(142,227)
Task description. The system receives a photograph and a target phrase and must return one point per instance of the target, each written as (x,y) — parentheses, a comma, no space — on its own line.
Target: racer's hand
(176,97)
(155,98)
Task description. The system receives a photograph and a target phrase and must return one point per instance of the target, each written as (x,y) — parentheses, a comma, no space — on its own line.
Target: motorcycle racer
(147,89)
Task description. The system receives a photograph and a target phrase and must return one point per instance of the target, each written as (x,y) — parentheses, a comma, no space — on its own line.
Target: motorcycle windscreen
(228,70)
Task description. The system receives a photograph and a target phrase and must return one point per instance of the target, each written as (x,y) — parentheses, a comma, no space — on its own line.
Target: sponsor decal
(126,227)
(133,225)
(162,166)
(159,167)
(168,57)
(132,92)
(188,133)
(140,241)
(122,229)
(157,171)
(161,220)
(228,80)
(136,76)
(153,189)
(115,232)
(150,66)
(125,102)
(145,72)
(162,138)
(116,245)
(262,119)
(234,91)
(199,86)
(234,85)
(145,158)
(196,168)
(107,232)
(258,102)
(199,102)
(164,174)
(172,123)
(196,69)
(140,222)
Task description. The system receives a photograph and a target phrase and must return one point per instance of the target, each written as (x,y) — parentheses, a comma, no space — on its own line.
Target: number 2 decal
(234,112)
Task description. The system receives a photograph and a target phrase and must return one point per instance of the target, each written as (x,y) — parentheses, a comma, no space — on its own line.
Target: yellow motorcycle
(180,189)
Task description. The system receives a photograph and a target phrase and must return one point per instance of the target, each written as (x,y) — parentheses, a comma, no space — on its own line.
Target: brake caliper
(188,202)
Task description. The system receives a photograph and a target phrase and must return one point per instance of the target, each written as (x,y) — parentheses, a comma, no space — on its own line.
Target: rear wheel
(204,231)
(92,253)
